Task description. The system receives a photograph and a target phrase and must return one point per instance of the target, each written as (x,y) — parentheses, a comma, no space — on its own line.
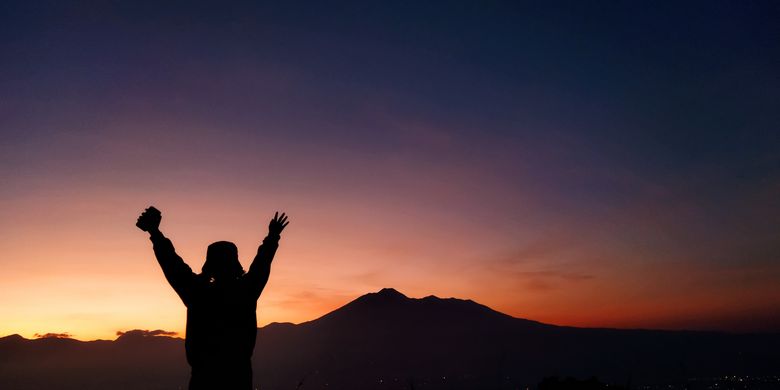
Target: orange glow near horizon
(74,262)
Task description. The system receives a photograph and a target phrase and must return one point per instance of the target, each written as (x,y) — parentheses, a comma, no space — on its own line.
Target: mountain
(129,362)
(385,340)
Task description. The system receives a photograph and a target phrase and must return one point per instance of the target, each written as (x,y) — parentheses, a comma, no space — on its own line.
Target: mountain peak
(389,305)
(384,296)
(13,337)
(390,292)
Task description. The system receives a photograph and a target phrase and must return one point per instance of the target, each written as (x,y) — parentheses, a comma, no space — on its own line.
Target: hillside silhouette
(385,340)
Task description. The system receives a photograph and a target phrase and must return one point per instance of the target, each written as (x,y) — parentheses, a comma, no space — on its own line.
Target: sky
(610,164)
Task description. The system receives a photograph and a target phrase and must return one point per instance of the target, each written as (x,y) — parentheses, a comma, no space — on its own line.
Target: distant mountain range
(385,340)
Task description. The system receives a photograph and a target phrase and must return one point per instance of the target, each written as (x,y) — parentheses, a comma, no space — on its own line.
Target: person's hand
(278,224)
(149,221)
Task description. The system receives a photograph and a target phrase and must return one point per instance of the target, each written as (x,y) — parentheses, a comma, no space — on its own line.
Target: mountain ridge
(380,300)
(386,340)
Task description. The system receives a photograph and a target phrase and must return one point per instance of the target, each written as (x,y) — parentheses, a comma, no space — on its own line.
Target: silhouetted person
(221,303)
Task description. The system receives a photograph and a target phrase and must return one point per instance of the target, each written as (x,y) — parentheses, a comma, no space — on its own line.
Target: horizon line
(175,335)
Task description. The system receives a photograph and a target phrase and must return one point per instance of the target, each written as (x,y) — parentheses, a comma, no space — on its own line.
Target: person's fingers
(285,224)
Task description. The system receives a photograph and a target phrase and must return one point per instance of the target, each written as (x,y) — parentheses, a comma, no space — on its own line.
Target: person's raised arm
(178,273)
(260,269)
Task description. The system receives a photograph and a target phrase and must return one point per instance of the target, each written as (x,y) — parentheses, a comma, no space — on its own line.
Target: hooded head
(222,261)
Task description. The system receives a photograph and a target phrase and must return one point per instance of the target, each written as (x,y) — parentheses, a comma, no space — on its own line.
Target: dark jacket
(221,319)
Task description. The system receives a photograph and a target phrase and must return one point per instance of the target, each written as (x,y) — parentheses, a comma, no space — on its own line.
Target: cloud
(312,297)
(545,264)
(549,279)
(146,333)
(64,335)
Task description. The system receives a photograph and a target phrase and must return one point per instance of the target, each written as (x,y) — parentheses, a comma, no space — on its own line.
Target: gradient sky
(613,164)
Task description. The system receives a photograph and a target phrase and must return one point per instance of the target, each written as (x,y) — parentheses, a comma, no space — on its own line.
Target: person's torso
(221,323)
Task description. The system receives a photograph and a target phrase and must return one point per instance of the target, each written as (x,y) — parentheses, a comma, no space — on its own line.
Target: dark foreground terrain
(385,340)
